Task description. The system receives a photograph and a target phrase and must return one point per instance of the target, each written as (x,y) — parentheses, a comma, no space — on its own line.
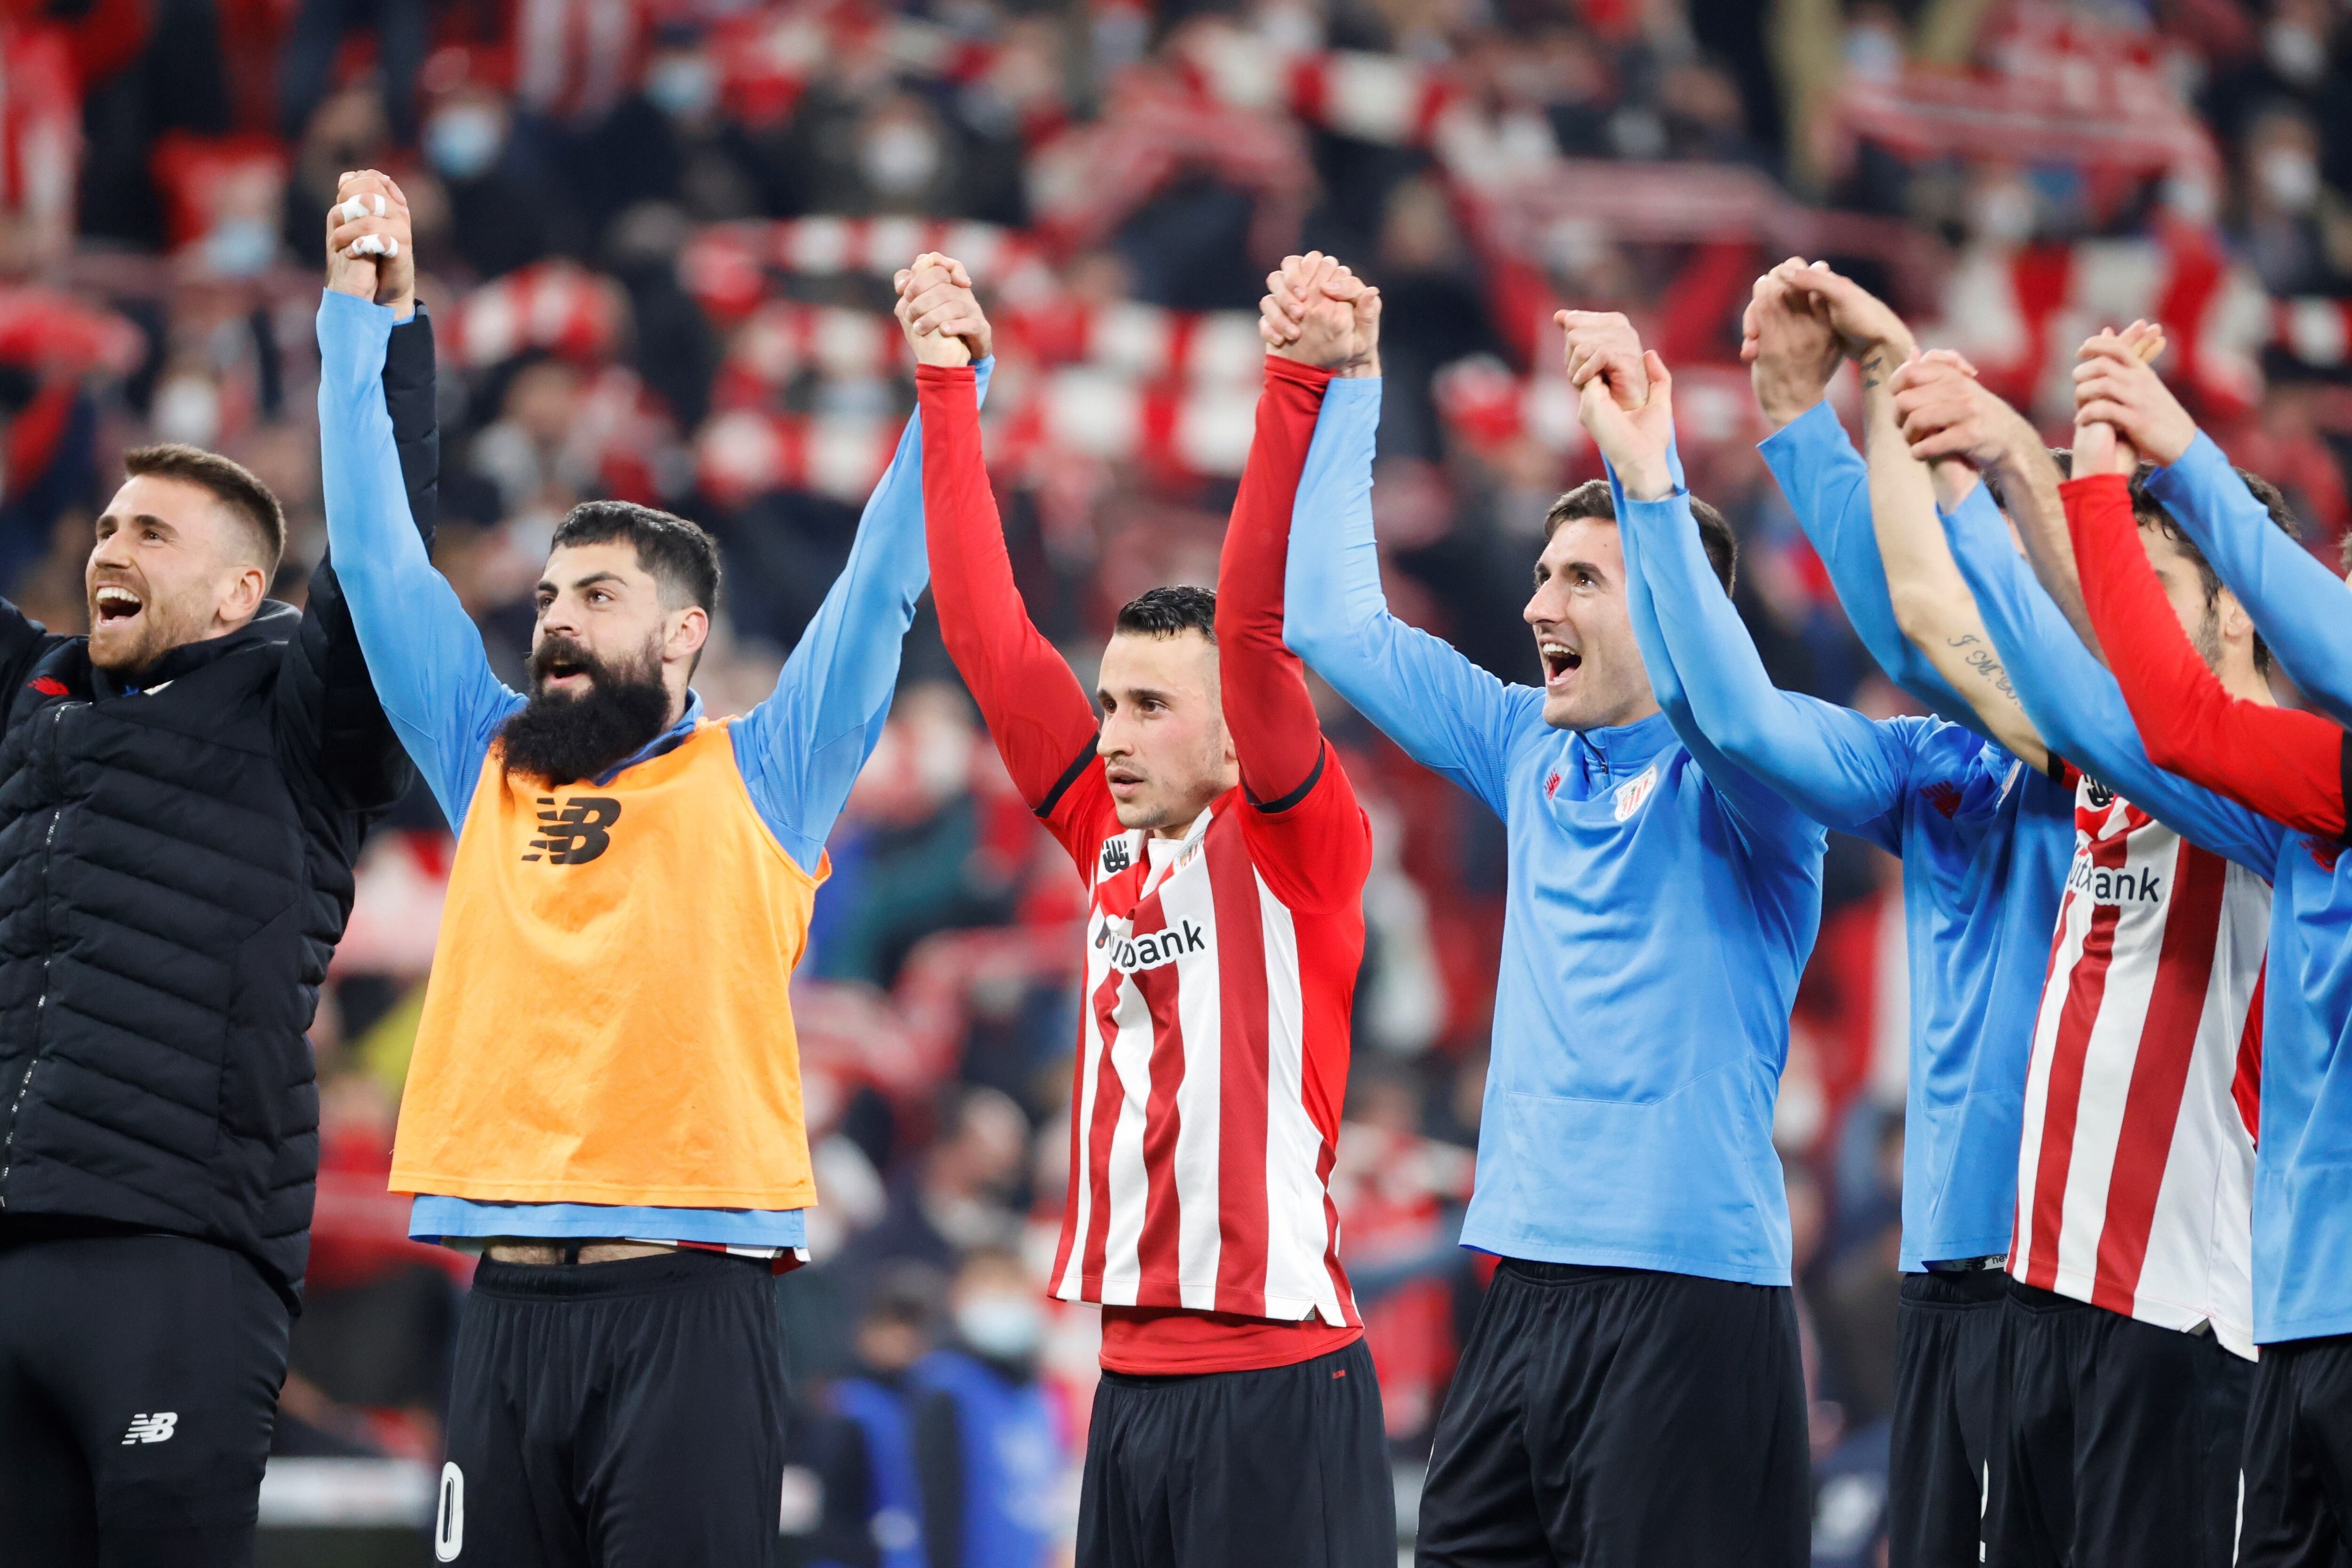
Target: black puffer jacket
(175,869)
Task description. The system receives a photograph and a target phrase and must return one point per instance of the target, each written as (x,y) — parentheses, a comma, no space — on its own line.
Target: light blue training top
(1659,907)
(1983,839)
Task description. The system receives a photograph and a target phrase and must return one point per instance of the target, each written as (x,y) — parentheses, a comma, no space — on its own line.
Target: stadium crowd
(657,240)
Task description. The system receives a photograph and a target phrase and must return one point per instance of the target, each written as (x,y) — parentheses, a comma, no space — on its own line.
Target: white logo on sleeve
(155,1428)
(1635,791)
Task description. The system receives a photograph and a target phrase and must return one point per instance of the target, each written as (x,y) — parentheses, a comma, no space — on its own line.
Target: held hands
(1860,321)
(1603,356)
(1944,413)
(1789,347)
(2122,407)
(371,242)
(1318,312)
(940,314)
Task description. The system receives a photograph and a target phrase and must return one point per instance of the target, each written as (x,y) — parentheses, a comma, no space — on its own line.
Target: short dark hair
(1170,612)
(231,483)
(1591,499)
(681,557)
(2149,513)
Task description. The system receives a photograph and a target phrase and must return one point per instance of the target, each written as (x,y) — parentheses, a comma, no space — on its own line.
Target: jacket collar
(1624,749)
(276,622)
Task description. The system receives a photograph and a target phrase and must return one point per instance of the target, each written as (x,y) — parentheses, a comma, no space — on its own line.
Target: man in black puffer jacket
(183,794)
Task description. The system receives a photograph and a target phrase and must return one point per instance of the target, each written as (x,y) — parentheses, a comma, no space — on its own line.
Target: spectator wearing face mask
(872,1477)
(989,1444)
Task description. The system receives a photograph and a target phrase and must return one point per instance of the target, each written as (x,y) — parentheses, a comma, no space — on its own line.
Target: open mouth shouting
(1125,783)
(1561,662)
(115,605)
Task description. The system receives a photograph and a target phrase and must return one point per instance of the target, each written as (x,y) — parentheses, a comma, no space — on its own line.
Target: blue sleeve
(1827,761)
(423,651)
(2303,610)
(1447,713)
(800,748)
(1827,484)
(2075,703)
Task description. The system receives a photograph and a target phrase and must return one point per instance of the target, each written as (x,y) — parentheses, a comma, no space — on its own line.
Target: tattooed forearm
(1874,370)
(1978,657)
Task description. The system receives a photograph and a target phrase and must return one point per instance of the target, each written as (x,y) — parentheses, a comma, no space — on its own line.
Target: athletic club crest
(1630,794)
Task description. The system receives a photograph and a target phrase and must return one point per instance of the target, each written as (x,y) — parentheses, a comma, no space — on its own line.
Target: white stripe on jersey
(2179,1255)
(1200,1014)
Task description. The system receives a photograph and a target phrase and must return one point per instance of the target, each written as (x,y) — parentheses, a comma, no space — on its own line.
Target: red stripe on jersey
(1241,1099)
(2087,987)
(2176,1008)
(2246,1087)
(1102,1121)
(1157,1251)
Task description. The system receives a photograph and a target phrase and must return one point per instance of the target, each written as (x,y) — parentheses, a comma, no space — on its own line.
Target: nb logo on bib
(575,834)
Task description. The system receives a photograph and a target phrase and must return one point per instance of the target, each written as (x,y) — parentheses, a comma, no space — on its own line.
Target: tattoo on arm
(1978,657)
(1873,372)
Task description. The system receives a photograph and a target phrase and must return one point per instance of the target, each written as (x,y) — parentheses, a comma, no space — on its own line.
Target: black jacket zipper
(48,942)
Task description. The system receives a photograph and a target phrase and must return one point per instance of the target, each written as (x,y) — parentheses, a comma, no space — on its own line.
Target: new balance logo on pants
(155,1428)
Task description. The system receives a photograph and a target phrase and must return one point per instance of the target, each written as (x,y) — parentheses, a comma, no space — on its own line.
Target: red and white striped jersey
(1213,1060)
(2134,1178)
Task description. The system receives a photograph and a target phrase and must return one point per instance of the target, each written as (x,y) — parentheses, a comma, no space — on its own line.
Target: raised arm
(1040,719)
(1443,709)
(2303,610)
(800,749)
(1930,602)
(424,653)
(1701,666)
(2074,702)
(1792,354)
(2288,765)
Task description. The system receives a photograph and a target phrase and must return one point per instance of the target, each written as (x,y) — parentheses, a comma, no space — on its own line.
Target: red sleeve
(2288,765)
(1039,716)
(1299,798)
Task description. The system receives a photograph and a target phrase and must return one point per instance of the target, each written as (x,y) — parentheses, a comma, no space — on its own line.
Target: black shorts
(2298,1459)
(1948,1383)
(1284,1466)
(138,1377)
(2122,1441)
(1619,1418)
(627,1414)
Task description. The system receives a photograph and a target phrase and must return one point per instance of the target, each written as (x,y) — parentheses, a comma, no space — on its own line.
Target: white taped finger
(390,245)
(351,210)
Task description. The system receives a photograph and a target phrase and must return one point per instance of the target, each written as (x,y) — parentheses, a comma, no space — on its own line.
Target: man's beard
(564,739)
(2207,638)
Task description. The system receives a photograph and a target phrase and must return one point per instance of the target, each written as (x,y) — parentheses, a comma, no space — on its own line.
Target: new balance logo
(2103,886)
(1152,949)
(2323,854)
(1117,857)
(156,1428)
(575,834)
(1945,797)
(2100,796)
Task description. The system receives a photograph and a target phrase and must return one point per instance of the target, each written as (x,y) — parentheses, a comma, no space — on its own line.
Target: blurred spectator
(989,1451)
(873,1474)
(962,1190)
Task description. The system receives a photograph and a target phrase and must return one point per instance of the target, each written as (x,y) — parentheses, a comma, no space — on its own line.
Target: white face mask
(2003,212)
(899,156)
(2295,52)
(1002,1327)
(683,87)
(2289,177)
(240,246)
(186,408)
(463,140)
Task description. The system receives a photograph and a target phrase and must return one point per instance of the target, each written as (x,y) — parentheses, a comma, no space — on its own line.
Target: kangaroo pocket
(1689,1180)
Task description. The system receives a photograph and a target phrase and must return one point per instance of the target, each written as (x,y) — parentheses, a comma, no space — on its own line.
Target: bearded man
(605,1097)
